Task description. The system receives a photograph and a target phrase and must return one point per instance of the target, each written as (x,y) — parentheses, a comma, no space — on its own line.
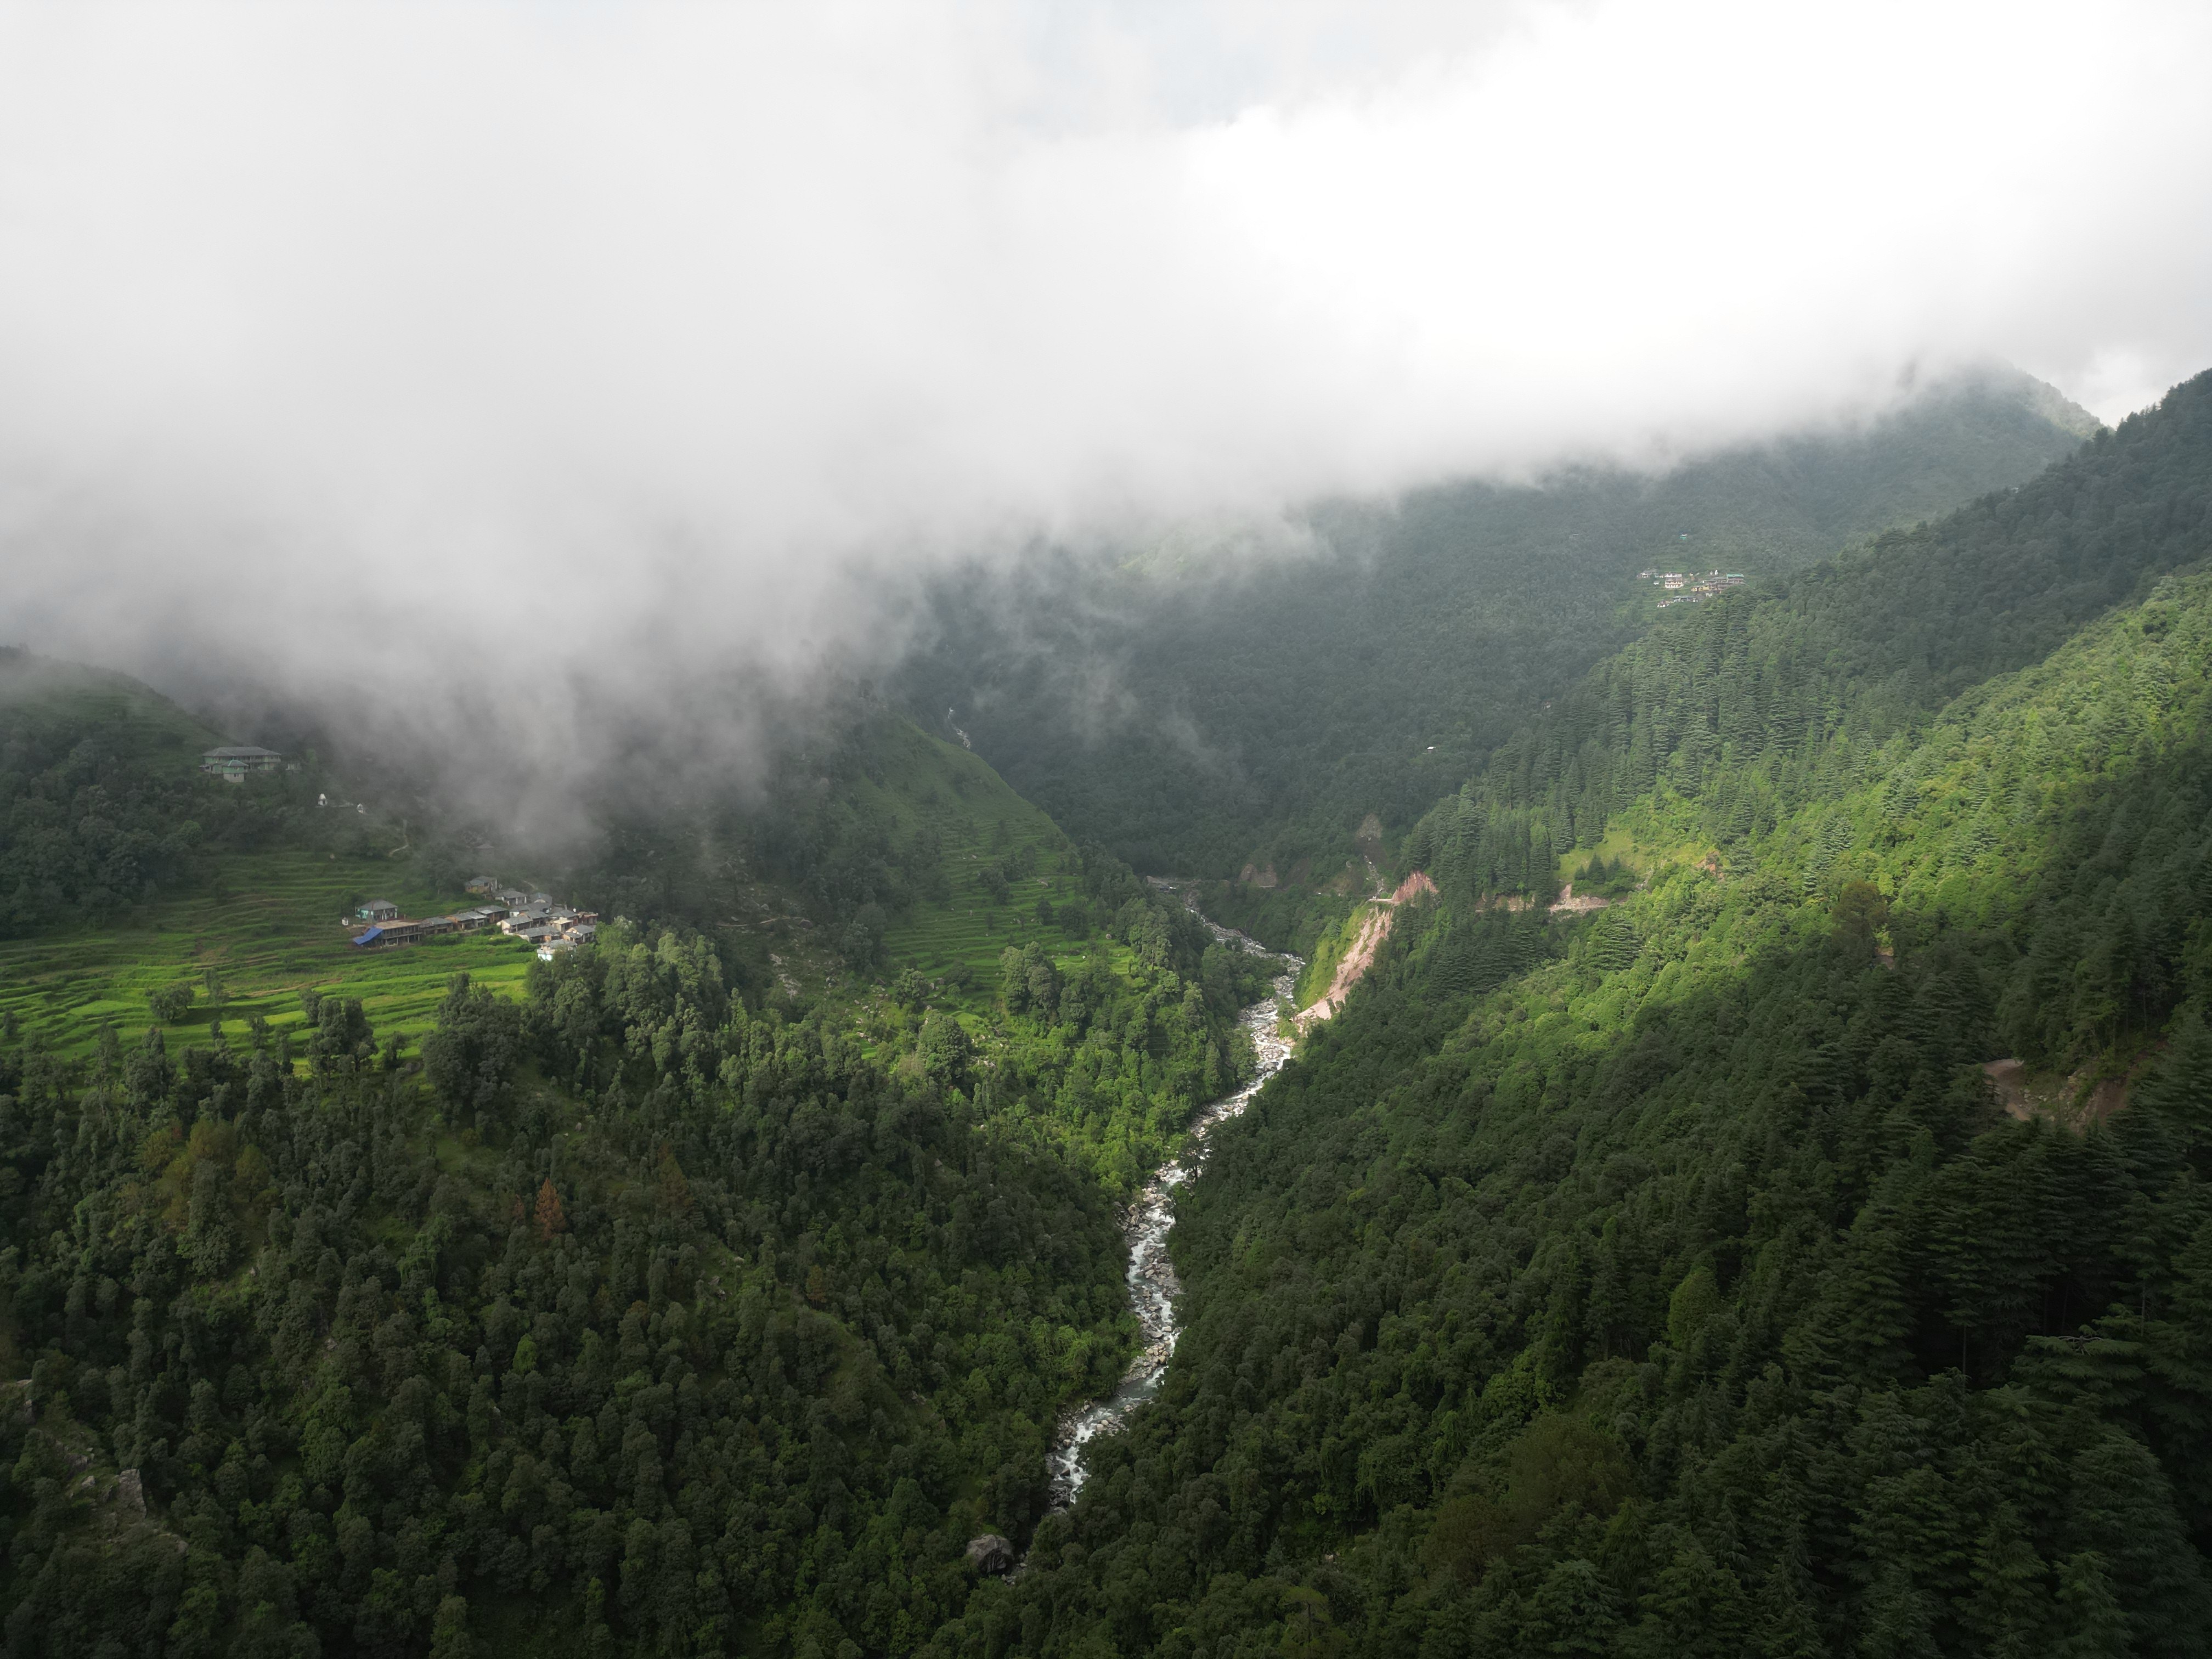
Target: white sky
(675,320)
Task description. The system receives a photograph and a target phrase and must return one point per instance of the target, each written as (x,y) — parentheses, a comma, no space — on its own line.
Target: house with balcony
(232,764)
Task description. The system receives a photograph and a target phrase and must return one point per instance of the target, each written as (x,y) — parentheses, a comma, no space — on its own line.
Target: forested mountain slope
(1193,722)
(102,806)
(590,1304)
(938,918)
(1669,1279)
(1749,706)
(729,1337)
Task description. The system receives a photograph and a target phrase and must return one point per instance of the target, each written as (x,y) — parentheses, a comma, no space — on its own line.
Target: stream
(1153,1288)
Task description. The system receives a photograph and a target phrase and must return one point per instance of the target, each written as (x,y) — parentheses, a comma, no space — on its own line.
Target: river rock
(990,1553)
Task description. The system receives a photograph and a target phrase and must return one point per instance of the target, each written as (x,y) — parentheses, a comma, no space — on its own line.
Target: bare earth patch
(1373,928)
(2072,1102)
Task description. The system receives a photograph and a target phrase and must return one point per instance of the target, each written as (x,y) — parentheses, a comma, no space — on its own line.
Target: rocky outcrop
(1569,904)
(990,1553)
(1414,886)
(2074,1101)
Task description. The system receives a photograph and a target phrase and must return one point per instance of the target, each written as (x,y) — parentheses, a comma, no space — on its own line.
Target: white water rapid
(1153,1288)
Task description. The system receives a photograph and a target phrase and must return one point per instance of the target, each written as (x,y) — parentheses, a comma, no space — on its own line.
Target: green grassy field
(269,927)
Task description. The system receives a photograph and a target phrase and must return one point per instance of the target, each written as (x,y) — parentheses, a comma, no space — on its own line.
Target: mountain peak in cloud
(466,353)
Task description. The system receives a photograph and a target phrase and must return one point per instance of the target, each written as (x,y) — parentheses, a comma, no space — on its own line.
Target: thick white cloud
(338,329)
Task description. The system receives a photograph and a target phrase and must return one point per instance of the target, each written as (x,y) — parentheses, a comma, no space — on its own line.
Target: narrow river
(1153,1290)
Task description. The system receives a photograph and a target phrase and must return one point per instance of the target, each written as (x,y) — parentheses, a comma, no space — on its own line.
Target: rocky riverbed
(1153,1290)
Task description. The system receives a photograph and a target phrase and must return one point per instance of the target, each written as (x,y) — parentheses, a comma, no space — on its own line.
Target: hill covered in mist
(1195,721)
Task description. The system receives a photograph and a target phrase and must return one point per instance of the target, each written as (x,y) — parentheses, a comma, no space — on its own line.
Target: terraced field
(979,822)
(269,928)
(267,924)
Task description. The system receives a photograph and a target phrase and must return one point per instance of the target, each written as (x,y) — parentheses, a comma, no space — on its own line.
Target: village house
(231,765)
(481,884)
(532,918)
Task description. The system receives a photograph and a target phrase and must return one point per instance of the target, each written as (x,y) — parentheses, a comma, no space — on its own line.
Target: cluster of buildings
(533,918)
(1683,587)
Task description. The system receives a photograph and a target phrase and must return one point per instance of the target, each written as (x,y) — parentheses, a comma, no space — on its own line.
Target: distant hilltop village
(1681,588)
(533,918)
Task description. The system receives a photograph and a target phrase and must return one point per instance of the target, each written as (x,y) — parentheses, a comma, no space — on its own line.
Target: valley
(1718,1165)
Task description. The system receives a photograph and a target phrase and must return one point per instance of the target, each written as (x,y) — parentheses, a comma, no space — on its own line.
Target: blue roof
(368,937)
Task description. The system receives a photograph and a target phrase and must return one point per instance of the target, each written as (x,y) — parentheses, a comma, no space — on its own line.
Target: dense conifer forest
(1686,1277)
(706,1326)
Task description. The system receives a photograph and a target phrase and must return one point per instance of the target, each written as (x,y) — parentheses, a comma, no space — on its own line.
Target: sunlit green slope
(1807,1252)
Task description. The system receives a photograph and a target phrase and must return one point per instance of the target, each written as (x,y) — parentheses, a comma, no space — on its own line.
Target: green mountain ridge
(1193,726)
(1670,1278)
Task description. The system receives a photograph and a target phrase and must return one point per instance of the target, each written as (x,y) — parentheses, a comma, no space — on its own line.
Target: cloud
(521,356)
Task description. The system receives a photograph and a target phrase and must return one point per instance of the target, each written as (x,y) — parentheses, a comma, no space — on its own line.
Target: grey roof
(245,753)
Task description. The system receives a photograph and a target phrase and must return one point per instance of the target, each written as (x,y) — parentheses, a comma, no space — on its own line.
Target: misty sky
(660,332)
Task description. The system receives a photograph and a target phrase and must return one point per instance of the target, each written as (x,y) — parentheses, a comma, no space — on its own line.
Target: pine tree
(548,1214)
